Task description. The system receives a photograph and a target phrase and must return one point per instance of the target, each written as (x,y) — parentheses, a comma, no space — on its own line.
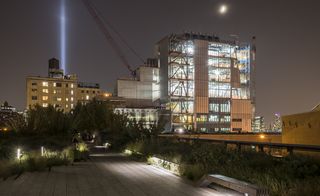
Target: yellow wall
(301,128)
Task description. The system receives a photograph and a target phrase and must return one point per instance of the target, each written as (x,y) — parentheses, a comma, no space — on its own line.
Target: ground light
(42,151)
(19,153)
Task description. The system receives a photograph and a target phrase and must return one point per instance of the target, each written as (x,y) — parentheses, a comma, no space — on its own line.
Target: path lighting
(42,151)
(180,131)
(19,153)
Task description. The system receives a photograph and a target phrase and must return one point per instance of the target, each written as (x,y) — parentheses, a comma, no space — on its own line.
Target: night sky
(287,31)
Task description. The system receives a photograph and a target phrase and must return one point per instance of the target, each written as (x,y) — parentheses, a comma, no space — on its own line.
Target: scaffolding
(205,77)
(181,81)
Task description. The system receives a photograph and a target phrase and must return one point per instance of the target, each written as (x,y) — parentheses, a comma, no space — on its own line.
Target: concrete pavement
(105,174)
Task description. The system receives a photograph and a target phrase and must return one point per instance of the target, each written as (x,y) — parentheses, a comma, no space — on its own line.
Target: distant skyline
(287,32)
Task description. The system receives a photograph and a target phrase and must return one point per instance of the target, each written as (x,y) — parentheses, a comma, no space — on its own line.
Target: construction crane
(103,26)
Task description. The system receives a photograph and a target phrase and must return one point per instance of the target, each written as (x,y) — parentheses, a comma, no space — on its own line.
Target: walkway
(108,175)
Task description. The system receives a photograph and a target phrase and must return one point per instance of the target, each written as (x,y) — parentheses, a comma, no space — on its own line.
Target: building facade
(303,128)
(139,95)
(258,124)
(206,84)
(59,90)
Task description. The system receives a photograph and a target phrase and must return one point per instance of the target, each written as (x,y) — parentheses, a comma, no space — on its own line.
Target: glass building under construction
(206,84)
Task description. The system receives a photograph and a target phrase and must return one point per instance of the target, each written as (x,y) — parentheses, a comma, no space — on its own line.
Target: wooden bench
(240,186)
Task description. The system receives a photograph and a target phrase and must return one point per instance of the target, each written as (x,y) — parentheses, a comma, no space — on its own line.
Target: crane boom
(94,13)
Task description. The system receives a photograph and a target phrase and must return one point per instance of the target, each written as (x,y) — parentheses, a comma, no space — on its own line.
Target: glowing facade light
(262,136)
(63,35)
(223,9)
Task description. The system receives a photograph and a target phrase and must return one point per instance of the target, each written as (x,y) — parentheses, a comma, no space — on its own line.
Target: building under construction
(206,84)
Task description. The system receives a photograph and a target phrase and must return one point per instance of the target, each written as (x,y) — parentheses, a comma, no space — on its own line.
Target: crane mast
(102,26)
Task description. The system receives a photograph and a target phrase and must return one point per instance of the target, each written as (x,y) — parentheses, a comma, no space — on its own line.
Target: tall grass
(292,175)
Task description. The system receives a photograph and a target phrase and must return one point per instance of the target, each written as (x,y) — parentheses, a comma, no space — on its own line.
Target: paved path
(109,175)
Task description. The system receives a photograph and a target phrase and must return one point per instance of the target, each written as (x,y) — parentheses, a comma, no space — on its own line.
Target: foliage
(292,175)
(47,120)
(33,161)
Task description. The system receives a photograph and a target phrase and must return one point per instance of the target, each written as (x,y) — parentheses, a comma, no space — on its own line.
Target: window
(67,99)
(71,92)
(54,92)
(45,90)
(87,91)
(236,120)
(236,129)
(82,91)
(34,90)
(213,118)
(34,84)
(93,92)
(45,84)
(54,84)
(225,118)
(71,98)
(225,129)
(87,97)
(45,98)
(214,107)
(202,118)
(67,85)
(72,105)
(59,99)
(225,107)
(34,97)
(45,105)
(58,85)
(67,106)
(71,85)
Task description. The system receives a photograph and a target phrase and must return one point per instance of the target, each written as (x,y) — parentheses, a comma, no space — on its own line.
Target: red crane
(102,24)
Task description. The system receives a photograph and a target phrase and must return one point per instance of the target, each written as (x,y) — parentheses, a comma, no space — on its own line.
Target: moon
(223,9)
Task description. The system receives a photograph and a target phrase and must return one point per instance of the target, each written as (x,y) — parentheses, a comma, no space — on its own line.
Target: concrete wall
(301,128)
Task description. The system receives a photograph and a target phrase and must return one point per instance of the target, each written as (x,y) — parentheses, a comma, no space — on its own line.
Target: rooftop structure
(61,91)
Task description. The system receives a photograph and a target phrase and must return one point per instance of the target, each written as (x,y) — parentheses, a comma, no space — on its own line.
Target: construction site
(194,81)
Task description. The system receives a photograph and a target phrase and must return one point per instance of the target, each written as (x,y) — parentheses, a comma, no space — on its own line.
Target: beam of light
(63,36)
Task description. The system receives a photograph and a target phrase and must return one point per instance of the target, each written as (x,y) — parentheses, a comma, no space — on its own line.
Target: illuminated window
(225,119)
(54,84)
(202,118)
(71,98)
(72,105)
(45,105)
(54,91)
(67,106)
(45,90)
(34,90)
(71,85)
(67,99)
(45,98)
(87,97)
(71,92)
(59,99)
(45,84)
(213,118)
